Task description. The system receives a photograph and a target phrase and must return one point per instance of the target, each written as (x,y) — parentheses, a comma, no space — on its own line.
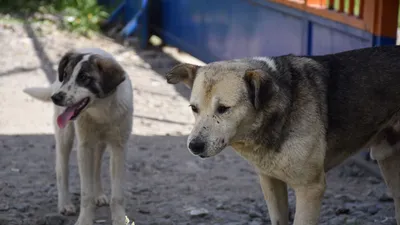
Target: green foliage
(81,16)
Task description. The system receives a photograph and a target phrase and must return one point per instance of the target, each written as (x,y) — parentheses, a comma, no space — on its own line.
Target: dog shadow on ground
(163,183)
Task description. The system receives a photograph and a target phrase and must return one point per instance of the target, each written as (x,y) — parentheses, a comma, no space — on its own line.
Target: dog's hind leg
(388,159)
(275,193)
(386,150)
(391,172)
(64,142)
(101,198)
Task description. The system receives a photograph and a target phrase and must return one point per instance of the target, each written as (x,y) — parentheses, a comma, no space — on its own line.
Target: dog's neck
(113,106)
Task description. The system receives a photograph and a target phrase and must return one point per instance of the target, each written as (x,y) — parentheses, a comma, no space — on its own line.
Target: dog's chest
(290,165)
(264,161)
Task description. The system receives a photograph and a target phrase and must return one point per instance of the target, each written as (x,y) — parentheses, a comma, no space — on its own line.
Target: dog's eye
(83,78)
(222,109)
(194,108)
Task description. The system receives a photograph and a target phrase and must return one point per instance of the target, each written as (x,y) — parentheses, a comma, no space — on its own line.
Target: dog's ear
(111,74)
(185,73)
(62,64)
(260,86)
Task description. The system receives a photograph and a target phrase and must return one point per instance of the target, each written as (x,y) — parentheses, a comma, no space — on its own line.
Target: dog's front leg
(85,161)
(275,193)
(117,171)
(308,201)
(64,141)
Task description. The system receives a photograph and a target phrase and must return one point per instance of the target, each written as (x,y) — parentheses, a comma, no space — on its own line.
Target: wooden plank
(329,14)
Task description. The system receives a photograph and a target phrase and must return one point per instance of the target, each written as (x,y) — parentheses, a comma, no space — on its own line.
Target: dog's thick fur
(295,117)
(105,123)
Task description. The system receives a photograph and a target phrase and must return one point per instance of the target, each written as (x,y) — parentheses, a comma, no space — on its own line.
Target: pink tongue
(63,119)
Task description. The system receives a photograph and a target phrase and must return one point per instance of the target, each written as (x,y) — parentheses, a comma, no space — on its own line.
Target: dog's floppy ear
(62,64)
(261,87)
(111,74)
(185,73)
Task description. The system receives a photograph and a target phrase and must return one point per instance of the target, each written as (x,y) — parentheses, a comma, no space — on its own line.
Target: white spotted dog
(93,99)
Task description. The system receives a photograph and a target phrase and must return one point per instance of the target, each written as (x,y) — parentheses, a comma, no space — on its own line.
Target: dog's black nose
(58,98)
(197,146)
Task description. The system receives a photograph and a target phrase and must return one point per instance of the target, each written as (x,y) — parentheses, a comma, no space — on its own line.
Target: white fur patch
(270,62)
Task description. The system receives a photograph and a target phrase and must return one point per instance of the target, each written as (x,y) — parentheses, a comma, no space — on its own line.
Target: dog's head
(84,77)
(225,99)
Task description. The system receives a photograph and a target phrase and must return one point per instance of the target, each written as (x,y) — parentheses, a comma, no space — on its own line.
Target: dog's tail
(40,93)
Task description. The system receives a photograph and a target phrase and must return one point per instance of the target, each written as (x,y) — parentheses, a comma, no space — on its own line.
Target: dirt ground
(165,184)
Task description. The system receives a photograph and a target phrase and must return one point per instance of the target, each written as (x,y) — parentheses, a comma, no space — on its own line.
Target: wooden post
(331,4)
(341,6)
(361,9)
(351,7)
(386,18)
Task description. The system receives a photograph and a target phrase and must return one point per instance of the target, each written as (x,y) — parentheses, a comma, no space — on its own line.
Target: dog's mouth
(72,112)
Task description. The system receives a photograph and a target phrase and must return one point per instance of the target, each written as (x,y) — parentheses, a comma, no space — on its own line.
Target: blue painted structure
(131,13)
(216,30)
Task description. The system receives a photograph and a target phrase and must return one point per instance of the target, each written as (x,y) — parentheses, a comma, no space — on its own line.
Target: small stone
(54,219)
(385,198)
(374,180)
(4,207)
(351,221)
(142,148)
(373,210)
(22,207)
(341,211)
(220,205)
(144,211)
(346,197)
(337,221)
(198,212)
(256,222)
(16,170)
(254,214)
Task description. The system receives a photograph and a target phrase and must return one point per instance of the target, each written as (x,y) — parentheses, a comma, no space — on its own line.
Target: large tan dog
(294,118)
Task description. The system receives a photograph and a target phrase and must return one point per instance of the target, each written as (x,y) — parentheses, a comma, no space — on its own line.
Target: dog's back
(361,89)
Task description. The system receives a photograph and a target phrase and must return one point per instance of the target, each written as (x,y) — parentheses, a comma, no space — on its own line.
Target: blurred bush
(82,16)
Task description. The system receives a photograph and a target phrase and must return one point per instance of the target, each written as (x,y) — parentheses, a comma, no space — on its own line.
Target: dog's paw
(120,221)
(67,209)
(82,220)
(102,200)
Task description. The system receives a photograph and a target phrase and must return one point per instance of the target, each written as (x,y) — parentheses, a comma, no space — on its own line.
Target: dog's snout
(58,98)
(197,146)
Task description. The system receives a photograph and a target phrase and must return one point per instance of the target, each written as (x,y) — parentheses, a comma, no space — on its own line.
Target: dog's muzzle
(197,146)
(58,98)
